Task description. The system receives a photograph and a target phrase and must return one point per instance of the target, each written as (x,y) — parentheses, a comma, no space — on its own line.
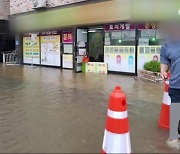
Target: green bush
(153,66)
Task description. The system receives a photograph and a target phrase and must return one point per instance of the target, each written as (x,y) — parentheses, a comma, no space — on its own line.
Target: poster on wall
(94,67)
(31,50)
(68,48)
(146,54)
(68,61)
(120,58)
(50,48)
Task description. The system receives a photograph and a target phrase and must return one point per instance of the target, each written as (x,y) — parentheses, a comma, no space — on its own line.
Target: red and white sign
(119,26)
(67,37)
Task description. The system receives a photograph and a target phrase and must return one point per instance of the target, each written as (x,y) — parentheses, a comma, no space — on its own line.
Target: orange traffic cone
(116,135)
(165,109)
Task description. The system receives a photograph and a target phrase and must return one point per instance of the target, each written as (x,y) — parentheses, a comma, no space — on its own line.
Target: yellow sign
(31,50)
(93,67)
(67,61)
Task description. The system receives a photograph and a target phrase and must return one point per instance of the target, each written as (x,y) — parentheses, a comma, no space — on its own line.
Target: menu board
(146,54)
(31,50)
(67,61)
(94,67)
(120,58)
(50,50)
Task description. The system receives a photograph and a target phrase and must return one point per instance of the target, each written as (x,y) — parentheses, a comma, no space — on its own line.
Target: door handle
(179,128)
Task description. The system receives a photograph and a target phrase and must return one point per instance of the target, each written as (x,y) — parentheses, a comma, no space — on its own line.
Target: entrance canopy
(97,13)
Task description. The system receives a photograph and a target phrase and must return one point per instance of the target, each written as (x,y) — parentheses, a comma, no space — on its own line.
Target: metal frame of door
(73,46)
(103,32)
(78,64)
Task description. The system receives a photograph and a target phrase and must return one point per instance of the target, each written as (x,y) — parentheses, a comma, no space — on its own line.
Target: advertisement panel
(67,61)
(146,54)
(94,67)
(50,49)
(120,58)
(31,50)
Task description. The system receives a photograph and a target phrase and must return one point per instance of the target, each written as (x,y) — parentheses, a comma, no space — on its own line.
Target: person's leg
(174,121)
(174,118)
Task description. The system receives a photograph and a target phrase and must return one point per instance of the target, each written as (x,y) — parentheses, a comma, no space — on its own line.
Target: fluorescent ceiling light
(99,28)
(91,31)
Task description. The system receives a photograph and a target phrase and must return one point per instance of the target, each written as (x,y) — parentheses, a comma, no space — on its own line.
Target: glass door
(67,45)
(81,47)
(96,44)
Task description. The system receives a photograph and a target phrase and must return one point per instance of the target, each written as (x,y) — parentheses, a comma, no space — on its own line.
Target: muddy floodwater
(49,110)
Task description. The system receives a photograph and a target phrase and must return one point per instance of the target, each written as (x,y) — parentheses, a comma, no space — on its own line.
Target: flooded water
(48,110)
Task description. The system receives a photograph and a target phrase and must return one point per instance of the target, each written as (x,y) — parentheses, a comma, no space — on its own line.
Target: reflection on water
(51,110)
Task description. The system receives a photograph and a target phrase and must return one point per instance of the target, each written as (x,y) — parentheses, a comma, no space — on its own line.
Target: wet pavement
(48,110)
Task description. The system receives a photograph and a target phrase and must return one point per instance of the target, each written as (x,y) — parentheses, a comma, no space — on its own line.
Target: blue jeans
(174,95)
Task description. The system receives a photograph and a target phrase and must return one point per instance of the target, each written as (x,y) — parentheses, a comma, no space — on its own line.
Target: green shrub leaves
(153,66)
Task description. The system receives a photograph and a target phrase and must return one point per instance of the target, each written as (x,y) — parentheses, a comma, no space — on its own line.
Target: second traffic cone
(116,135)
(164,121)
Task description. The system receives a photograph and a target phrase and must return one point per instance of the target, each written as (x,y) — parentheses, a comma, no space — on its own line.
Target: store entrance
(81,47)
(96,44)
(67,46)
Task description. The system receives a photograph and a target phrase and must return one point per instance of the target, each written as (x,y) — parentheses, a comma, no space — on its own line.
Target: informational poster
(95,67)
(67,61)
(82,51)
(120,58)
(50,49)
(68,48)
(31,50)
(146,54)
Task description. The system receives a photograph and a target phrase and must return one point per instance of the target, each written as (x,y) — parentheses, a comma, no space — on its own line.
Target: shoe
(175,144)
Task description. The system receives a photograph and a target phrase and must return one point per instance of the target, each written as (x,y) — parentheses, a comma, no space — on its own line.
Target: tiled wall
(21,6)
(4,9)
